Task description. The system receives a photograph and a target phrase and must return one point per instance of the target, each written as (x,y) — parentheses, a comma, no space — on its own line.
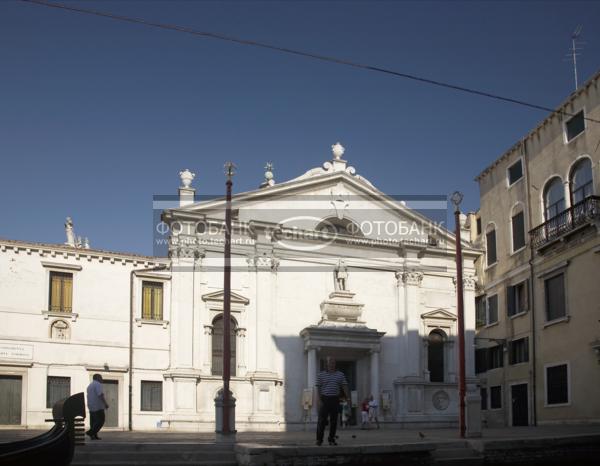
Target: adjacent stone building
(538,311)
(323,265)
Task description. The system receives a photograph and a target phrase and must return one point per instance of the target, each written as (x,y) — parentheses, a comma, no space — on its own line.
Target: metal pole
(456,199)
(227,303)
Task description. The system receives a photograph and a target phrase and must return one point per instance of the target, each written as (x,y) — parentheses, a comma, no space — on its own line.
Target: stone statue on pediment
(341,276)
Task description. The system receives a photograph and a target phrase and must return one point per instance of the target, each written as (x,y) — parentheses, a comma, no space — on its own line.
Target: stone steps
(457,456)
(153,454)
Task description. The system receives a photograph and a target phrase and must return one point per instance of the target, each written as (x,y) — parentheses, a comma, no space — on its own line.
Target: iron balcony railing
(568,220)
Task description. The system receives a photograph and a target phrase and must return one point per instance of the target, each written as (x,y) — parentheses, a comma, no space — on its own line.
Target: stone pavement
(354,436)
(516,445)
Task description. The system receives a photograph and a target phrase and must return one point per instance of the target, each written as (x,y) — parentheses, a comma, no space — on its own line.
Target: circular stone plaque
(441,400)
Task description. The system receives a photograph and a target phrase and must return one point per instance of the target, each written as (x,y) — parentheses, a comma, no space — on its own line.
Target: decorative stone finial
(269,177)
(186,178)
(338,150)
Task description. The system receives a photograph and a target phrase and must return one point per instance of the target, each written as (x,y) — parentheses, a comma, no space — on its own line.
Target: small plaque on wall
(16,351)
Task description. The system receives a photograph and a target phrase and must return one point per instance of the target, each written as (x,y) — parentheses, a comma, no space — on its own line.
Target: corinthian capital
(263,262)
(412,277)
(469,282)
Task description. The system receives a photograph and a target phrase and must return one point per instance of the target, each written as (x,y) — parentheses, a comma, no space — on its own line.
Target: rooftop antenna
(573,52)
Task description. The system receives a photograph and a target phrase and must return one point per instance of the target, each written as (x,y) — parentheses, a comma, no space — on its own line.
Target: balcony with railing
(569,220)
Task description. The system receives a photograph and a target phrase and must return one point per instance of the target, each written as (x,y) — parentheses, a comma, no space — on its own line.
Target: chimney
(186,192)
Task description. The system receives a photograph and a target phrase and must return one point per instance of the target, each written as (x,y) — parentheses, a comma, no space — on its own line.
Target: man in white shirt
(96,405)
(373,408)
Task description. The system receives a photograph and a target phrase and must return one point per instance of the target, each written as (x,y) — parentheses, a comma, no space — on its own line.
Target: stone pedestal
(341,307)
(472,411)
(219,403)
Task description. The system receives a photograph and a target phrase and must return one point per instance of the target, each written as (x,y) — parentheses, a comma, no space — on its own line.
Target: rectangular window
(483,393)
(152,301)
(496,397)
(61,292)
(519,350)
(557,384)
(57,388)
(481,360)
(518,231)
(517,298)
(495,357)
(555,297)
(575,126)
(491,247)
(492,309)
(151,396)
(515,172)
(478,225)
(480,311)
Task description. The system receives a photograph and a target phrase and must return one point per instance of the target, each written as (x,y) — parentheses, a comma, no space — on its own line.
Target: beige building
(538,309)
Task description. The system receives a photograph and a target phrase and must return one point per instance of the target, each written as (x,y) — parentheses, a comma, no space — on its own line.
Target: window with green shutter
(151,396)
(57,388)
(554,288)
(557,384)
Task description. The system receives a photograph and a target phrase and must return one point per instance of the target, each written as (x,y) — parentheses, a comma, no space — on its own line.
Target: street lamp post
(456,199)
(229,171)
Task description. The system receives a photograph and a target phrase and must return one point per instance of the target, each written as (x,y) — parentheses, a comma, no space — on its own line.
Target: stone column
(311,376)
(425,359)
(265,268)
(375,374)
(182,322)
(412,281)
(469,316)
(401,346)
(240,351)
(450,361)
(207,353)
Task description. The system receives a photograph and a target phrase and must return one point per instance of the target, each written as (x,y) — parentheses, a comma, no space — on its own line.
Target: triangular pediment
(438,314)
(306,204)
(218,296)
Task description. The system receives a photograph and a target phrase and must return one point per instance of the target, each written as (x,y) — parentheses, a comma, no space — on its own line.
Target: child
(364,412)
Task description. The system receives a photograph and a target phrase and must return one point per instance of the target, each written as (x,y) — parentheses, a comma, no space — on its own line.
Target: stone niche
(341,308)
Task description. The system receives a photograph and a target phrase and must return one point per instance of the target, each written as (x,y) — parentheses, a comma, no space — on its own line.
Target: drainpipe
(531,290)
(131,312)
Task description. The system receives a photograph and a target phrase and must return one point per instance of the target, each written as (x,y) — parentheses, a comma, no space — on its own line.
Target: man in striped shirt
(329,385)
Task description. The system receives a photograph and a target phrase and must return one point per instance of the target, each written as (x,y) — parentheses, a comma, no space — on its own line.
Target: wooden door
(10,399)
(111,394)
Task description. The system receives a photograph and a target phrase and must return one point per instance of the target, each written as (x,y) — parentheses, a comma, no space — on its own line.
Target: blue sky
(97,116)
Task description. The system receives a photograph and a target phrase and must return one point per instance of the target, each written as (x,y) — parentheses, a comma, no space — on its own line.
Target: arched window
(344,226)
(217,346)
(581,181)
(554,198)
(435,355)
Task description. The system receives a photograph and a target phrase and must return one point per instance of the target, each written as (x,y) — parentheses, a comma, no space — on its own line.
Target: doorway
(111,393)
(348,368)
(520,412)
(10,399)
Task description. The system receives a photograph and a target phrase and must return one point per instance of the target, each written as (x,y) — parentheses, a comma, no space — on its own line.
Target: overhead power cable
(301,53)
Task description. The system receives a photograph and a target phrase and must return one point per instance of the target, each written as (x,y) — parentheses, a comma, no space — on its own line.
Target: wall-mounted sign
(16,351)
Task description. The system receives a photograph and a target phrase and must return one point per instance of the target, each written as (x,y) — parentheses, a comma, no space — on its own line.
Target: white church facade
(317,271)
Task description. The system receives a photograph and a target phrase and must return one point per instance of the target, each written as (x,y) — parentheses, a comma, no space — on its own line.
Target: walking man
(373,410)
(329,385)
(96,405)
